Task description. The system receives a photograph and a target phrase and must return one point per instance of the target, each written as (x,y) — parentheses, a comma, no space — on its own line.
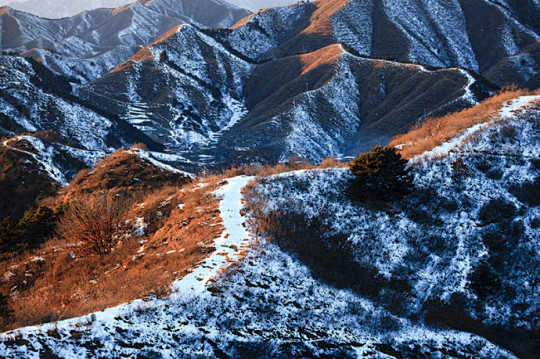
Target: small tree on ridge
(379,174)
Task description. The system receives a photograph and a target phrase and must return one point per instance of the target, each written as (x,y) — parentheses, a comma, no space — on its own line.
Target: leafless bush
(96,221)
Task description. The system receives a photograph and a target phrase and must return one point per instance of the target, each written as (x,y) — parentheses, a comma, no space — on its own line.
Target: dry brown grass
(64,284)
(325,56)
(123,173)
(320,21)
(436,131)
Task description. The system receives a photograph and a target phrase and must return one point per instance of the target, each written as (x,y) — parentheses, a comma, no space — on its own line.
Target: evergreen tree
(38,224)
(34,228)
(380,174)
(9,234)
(6,313)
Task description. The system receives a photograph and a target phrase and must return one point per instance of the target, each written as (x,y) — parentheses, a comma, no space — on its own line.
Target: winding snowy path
(228,246)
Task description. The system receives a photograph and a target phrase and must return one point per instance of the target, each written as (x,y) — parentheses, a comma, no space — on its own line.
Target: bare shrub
(508,131)
(96,221)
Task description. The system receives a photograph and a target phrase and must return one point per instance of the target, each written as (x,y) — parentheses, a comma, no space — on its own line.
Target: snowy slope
(451,228)
(269,304)
(522,68)
(203,96)
(26,102)
(340,103)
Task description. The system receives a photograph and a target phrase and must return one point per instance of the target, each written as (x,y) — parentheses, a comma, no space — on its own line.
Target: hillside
(154,199)
(276,91)
(449,271)
(182,178)
(31,169)
(33,98)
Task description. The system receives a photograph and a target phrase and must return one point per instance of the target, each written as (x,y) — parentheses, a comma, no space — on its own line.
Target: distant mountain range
(56,9)
(88,45)
(327,78)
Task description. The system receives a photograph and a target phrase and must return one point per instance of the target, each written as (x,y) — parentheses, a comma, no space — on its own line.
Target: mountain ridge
(243,88)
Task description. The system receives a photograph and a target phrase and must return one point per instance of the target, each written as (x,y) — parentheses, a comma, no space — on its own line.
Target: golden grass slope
(436,131)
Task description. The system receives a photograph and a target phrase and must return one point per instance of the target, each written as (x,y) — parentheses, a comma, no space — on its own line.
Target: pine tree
(38,224)
(380,174)
(9,234)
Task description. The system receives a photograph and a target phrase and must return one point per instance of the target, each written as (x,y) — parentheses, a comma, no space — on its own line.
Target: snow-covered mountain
(311,79)
(92,43)
(303,110)
(449,271)
(56,9)
(32,98)
(283,113)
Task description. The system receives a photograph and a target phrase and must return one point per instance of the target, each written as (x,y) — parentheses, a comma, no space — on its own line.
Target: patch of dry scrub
(173,230)
(436,131)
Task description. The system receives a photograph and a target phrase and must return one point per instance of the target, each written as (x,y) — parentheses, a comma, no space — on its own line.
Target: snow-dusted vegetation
(449,270)
(460,251)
